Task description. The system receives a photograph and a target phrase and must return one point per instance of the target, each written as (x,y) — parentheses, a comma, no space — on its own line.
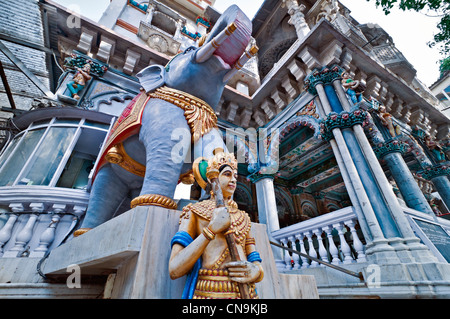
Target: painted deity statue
(353,88)
(200,249)
(435,149)
(79,80)
(386,120)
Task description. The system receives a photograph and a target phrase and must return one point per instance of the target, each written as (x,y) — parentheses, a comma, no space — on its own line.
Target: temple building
(344,154)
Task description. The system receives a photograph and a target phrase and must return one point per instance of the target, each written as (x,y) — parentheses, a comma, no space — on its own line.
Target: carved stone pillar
(267,208)
(297,17)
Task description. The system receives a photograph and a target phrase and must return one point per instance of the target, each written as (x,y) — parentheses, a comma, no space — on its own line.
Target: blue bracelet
(254,256)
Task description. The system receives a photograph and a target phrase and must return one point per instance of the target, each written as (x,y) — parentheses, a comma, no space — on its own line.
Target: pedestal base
(135,246)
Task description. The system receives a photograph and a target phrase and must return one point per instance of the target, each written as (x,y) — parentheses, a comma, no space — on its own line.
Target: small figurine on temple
(386,120)
(353,88)
(79,80)
(435,148)
(200,248)
(434,207)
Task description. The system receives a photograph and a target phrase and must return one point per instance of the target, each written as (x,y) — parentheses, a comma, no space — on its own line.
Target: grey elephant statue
(172,121)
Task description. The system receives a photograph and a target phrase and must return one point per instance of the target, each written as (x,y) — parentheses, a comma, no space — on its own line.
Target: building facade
(344,151)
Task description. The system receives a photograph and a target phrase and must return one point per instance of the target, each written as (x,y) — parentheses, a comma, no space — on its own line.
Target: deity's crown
(221,158)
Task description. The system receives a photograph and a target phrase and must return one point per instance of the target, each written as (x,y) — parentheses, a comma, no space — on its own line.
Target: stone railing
(388,54)
(38,218)
(331,237)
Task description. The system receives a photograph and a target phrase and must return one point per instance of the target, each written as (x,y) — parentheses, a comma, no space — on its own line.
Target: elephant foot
(81,231)
(154,200)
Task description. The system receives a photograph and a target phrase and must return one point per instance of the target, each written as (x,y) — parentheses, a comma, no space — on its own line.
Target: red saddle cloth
(125,126)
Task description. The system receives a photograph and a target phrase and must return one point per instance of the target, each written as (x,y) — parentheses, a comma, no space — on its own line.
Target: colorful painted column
(387,208)
(391,153)
(319,82)
(438,175)
(436,165)
(376,200)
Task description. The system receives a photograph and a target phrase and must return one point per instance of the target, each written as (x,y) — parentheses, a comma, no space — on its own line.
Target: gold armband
(208,233)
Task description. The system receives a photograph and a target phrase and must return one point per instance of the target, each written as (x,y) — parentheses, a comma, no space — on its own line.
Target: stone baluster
(47,237)
(311,252)
(322,250)
(357,244)
(295,257)
(334,252)
(345,248)
(287,257)
(25,235)
(5,233)
(305,263)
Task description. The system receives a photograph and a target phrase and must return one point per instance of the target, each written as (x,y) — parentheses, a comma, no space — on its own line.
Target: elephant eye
(189,49)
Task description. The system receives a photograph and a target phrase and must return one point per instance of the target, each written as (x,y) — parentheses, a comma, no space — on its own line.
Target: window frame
(82,124)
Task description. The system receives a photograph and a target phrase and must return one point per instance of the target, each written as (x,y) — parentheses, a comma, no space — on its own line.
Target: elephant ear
(199,170)
(152,77)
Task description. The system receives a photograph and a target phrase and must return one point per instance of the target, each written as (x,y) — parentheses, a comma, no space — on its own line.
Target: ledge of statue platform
(135,249)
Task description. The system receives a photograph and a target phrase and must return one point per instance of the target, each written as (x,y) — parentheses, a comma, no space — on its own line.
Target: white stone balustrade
(331,238)
(32,227)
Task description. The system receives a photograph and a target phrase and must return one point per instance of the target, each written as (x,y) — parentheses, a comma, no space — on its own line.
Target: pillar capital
(433,171)
(259,176)
(391,146)
(323,76)
(341,120)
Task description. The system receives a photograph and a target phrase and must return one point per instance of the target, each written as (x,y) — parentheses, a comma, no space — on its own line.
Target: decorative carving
(324,76)
(158,43)
(431,172)
(343,120)
(199,115)
(118,155)
(309,110)
(77,61)
(435,148)
(154,200)
(392,146)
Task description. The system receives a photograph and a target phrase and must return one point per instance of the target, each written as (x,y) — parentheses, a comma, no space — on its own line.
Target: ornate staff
(213,176)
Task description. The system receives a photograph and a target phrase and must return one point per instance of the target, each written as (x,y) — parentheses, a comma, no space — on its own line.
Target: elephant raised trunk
(213,46)
(208,50)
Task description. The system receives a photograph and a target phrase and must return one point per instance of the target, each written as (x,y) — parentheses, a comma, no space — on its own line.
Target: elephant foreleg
(108,192)
(166,137)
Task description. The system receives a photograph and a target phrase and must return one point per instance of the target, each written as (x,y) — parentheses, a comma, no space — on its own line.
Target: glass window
(67,121)
(48,156)
(61,156)
(76,172)
(9,150)
(99,125)
(11,168)
(82,160)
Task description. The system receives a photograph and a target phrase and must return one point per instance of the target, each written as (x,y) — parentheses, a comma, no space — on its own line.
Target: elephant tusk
(208,49)
(240,63)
